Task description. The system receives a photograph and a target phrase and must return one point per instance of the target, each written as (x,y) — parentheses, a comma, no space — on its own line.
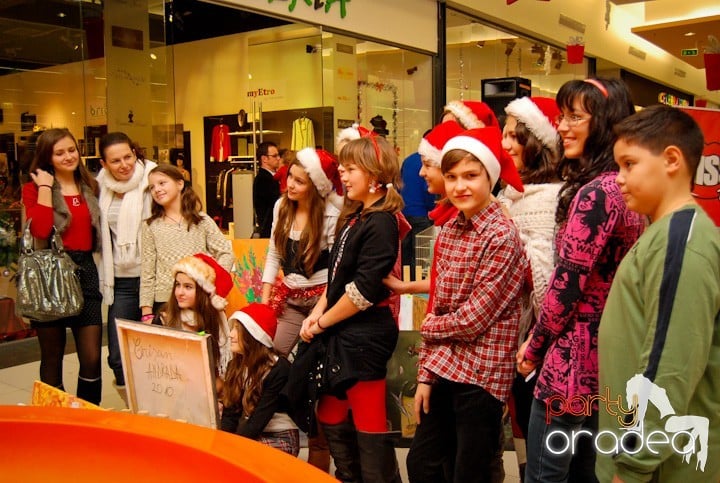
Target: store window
(478,52)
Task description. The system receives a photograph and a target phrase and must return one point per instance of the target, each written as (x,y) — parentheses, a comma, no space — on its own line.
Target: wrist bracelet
(318,324)
(44,186)
(146,317)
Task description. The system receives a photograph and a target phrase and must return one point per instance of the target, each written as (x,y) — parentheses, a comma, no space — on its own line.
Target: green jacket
(661,326)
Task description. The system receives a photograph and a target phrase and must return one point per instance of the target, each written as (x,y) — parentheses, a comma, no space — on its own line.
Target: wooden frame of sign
(168,372)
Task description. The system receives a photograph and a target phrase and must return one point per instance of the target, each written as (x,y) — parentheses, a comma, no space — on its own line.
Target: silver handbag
(48,286)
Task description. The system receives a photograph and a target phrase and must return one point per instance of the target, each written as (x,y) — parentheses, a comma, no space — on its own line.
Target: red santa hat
(485,144)
(432,144)
(472,114)
(208,275)
(260,322)
(322,169)
(539,115)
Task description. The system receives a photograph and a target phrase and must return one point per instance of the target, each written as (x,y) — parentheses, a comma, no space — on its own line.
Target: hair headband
(366,133)
(599,85)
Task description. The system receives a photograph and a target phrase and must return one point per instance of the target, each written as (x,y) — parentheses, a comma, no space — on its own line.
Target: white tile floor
(16,386)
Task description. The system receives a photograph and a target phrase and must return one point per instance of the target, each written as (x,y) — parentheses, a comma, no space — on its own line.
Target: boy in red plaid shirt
(467,360)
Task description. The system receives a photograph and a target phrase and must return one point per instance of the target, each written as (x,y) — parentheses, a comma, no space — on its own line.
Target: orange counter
(81,445)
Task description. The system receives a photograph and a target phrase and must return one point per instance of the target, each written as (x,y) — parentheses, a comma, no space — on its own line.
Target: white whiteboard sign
(168,372)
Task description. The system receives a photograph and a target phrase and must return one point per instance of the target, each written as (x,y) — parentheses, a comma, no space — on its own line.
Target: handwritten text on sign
(168,372)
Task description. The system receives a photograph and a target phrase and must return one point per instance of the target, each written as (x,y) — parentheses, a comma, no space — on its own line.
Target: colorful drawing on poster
(247,273)
(707,177)
(45,395)
(401,384)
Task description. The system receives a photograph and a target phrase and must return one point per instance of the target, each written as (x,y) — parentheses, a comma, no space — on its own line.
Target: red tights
(366,399)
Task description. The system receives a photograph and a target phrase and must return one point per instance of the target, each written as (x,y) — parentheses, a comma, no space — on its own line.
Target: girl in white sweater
(531,139)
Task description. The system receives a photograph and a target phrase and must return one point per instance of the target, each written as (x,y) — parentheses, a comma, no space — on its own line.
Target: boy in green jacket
(659,340)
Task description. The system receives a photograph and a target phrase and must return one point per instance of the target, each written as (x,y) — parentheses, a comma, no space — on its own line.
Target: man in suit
(265,189)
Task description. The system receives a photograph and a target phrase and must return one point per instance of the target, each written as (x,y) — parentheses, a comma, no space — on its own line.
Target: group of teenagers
(592,264)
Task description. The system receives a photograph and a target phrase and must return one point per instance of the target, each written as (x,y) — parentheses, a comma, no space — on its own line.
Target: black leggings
(88,340)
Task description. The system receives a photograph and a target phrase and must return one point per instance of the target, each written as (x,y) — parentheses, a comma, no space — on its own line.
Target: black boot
(377,458)
(343,443)
(90,390)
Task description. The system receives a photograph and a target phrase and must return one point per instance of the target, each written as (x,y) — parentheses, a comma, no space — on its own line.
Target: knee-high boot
(90,390)
(343,443)
(378,461)
(318,451)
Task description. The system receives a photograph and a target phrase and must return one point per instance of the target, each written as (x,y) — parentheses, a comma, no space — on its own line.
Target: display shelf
(250,133)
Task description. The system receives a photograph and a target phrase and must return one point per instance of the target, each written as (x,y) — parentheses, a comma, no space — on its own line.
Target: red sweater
(77,235)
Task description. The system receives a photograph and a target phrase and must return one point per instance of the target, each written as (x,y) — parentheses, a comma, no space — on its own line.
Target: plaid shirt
(472,335)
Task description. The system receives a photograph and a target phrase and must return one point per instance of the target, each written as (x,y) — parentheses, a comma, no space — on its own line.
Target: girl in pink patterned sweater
(596,231)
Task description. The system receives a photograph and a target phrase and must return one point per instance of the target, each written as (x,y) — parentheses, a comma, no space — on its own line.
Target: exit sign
(689,52)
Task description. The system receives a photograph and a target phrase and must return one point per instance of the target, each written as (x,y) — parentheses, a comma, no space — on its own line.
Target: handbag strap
(27,245)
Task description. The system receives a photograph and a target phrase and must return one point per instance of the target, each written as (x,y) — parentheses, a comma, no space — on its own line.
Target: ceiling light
(62,15)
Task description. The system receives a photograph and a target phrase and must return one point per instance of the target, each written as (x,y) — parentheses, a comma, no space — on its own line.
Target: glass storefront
(477,52)
(167,73)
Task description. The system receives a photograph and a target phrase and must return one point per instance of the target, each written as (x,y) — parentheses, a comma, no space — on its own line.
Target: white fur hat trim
(253,327)
(525,111)
(480,151)
(346,135)
(310,160)
(466,118)
(430,152)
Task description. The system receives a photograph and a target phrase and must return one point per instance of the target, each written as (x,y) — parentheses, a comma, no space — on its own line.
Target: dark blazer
(266,191)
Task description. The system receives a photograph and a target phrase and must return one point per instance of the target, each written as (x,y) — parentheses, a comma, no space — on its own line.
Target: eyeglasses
(276,155)
(572,120)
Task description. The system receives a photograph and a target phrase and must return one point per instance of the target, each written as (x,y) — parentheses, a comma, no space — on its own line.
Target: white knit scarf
(132,212)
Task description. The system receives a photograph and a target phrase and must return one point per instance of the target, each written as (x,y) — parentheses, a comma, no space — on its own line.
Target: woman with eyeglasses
(562,346)
(124,202)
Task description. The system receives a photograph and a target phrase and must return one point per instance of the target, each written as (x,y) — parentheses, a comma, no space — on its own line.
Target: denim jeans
(458,438)
(125,306)
(573,465)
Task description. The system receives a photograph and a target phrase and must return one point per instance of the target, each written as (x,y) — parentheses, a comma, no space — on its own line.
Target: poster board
(168,372)
(49,396)
(401,383)
(250,257)
(707,178)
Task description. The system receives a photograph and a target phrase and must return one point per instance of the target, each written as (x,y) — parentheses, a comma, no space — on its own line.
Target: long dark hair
(207,318)
(189,201)
(118,137)
(246,372)
(309,246)
(597,156)
(539,161)
(44,153)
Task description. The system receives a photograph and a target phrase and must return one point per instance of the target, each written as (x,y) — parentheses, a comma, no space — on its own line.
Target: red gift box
(712,71)
(575,53)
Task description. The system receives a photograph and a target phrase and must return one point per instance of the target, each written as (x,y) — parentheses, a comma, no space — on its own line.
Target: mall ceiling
(37,34)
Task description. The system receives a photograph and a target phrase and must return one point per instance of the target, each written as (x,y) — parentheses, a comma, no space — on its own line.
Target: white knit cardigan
(533,212)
